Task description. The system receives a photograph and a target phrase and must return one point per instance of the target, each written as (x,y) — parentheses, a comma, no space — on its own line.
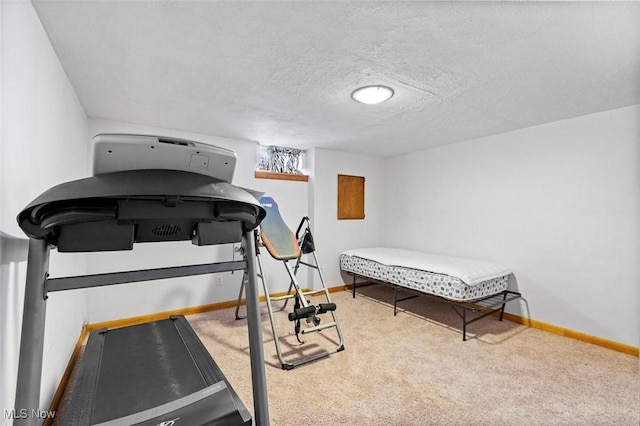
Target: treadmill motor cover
(112,211)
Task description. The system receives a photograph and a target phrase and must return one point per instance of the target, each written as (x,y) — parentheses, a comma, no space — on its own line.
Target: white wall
(333,236)
(43,131)
(295,200)
(104,304)
(557,203)
(316,199)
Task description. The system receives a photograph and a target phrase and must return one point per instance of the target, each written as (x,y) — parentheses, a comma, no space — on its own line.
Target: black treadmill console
(112,211)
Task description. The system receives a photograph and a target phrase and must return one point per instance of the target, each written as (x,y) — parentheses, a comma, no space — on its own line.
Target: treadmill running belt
(150,379)
(150,373)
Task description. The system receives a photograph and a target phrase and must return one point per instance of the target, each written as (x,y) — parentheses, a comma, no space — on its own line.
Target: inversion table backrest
(276,236)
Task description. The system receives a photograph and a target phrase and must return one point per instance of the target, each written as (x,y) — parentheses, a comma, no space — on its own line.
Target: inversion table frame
(284,246)
(220,212)
(284,363)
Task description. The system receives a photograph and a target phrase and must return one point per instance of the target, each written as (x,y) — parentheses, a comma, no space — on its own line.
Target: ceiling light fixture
(371,95)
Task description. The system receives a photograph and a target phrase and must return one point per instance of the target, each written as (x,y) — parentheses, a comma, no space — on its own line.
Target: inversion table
(284,246)
(159,372)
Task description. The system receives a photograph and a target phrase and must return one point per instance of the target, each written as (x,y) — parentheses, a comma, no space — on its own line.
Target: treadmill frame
(38,285)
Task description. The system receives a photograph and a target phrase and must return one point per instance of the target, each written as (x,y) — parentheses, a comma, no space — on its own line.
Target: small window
(279,160)
(350,197)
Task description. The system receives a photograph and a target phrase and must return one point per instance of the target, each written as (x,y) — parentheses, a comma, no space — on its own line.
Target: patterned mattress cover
(423,280)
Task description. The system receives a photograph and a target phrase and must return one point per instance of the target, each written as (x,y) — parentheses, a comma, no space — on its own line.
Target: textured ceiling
(281,73)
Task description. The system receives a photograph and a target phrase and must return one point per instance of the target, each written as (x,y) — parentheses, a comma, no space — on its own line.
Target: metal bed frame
(478,308)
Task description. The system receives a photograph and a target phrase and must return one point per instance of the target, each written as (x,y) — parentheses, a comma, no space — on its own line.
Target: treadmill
(144,189)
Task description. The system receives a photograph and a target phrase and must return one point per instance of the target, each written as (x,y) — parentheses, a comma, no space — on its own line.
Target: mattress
(453,278)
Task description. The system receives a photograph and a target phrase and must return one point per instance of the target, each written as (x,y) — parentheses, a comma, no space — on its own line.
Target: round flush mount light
(371,95)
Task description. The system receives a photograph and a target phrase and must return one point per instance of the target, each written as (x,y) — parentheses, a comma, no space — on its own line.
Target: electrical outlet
(218,279)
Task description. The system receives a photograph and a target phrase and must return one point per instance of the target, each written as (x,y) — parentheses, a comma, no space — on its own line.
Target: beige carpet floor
(414,369)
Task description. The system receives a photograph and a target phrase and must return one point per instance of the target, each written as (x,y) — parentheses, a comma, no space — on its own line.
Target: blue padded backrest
(276,236)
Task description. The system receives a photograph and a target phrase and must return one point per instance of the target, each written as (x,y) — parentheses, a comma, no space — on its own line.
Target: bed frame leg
(504,297)
(395,300)
(354,287)
(464,325)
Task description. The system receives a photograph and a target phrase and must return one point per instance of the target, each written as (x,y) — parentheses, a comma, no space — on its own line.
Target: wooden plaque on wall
(350,197)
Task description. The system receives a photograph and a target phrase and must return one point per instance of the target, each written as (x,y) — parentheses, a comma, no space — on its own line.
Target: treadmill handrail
(124,277)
